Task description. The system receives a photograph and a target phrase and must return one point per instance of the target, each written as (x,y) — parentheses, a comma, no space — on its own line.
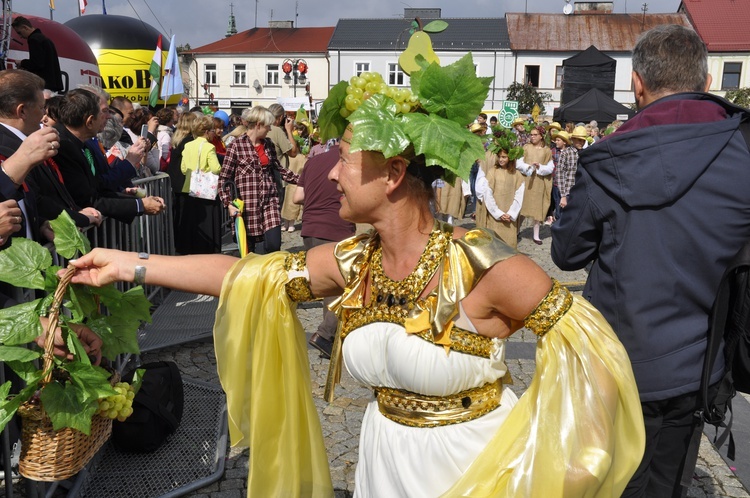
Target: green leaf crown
(504,139)
(449,99)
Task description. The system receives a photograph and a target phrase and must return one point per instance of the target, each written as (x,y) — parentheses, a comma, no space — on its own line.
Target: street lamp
(298,69)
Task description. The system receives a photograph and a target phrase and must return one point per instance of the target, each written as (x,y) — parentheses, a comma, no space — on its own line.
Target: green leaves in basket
(9,404)
(68,239)
(131,304)
(22,263)
(66,407)
(20,324)
(118,334)
(92,381)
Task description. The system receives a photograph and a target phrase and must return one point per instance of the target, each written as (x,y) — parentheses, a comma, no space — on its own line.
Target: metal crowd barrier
(153,234)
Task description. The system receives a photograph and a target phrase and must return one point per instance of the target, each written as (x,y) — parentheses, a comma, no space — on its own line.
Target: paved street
(341,419)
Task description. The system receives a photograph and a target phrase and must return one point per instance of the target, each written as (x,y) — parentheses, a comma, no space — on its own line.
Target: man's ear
(709,80)
(89,123)
(396,172)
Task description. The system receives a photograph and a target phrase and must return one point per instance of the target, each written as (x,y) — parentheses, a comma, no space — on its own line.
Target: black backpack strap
(713,409)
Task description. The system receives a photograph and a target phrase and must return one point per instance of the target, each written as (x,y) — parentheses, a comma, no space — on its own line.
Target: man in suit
(82,115)
(42,59)
(21,111)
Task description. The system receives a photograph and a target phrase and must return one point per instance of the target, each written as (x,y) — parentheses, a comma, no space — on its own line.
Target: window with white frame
(361,67)
(240,74)
(559,71)
(209,74)
(731,77)
(272,74)
(396,76)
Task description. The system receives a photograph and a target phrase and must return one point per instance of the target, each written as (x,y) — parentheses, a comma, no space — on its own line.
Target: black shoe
(321,344)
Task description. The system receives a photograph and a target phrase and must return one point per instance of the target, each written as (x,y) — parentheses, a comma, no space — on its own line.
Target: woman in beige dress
(537,166)
(291,212)
(500,190)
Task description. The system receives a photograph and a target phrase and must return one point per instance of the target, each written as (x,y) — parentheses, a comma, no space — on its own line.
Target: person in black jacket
(82,115)
(42,59)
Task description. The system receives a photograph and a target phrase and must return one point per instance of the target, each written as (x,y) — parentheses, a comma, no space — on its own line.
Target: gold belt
(419,410)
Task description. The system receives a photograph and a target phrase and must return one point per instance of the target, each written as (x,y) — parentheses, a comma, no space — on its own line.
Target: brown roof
(561,33)
(721,24)
(271,41)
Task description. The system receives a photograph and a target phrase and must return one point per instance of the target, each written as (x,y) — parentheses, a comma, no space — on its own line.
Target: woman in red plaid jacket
(249,165)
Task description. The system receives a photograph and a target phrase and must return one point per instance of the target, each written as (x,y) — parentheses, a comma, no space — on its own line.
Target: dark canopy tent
(586,70)
(592,105)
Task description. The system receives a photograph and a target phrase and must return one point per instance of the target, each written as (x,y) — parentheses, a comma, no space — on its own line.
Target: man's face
(33,112)
(23,31)
(481,120)
(101,119)
(127,114)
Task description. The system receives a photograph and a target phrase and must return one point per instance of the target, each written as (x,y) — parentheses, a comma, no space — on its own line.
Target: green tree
(741,96)
(527,96)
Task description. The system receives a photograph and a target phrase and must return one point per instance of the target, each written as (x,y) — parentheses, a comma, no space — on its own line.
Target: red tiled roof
(272,41)
(576,32)
(722,24)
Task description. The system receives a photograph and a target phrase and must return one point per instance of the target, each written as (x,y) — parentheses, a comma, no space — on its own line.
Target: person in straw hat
(565,172)
(519,128)
(425,308)
(579,137)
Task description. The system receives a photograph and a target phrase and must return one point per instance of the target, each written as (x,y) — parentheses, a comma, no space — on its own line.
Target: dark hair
(21,21)
(18,87)
(671,59)
(77,106)
(52,107)
(119,103)
(493,118)
(165,115)
(139,118)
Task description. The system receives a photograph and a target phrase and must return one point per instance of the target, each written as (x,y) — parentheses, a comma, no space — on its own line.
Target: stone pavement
(341,419)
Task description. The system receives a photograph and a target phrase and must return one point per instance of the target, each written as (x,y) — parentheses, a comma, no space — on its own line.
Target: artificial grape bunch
(118,406)
(367,84)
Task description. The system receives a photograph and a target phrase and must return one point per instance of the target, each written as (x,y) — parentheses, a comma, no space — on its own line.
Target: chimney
(280,24)
(410,13)
(594,7)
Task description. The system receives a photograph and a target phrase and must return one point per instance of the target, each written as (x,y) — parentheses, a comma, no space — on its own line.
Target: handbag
(203,184)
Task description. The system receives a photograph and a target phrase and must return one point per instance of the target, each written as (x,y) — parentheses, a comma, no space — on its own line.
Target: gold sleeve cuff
(298,285)
(555,304)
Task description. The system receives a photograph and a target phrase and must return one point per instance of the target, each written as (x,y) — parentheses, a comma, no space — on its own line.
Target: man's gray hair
(112,131)
(277,110)
(96,90)
(671,59)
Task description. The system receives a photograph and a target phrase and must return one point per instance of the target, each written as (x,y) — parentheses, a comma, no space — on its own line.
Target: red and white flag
(82,5)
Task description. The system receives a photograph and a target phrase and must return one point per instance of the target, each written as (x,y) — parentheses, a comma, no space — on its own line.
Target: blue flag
(104,8)
(172,84)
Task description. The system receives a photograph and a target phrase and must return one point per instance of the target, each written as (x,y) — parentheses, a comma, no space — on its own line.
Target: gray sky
(199,22)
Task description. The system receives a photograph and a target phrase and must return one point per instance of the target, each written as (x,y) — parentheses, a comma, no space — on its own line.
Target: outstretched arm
(198,273)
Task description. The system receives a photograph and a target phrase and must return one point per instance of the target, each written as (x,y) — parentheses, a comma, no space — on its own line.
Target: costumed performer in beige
(425,311)
(500,188)
(537,165)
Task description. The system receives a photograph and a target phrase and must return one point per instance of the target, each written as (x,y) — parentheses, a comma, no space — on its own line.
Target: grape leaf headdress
(504,139)
(448,99)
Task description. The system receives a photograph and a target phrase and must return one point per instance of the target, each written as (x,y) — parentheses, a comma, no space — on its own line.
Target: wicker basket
(47,454)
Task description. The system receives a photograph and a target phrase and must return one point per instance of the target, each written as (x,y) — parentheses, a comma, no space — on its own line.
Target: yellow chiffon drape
(576,432)
(578,429)
(261,357)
